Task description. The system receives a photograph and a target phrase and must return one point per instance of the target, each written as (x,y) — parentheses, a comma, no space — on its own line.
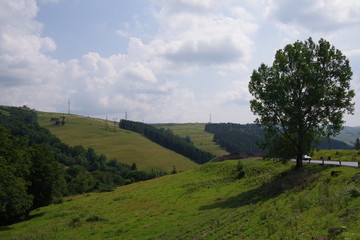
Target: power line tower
(125,115)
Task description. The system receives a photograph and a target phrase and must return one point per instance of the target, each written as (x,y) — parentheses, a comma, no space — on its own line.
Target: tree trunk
(299,162)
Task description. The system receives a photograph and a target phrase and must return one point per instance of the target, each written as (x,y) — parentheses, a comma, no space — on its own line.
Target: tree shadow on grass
(5,228)
(8,227)
(284,181)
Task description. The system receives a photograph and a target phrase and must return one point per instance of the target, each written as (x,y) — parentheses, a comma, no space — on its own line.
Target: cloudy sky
(158,60)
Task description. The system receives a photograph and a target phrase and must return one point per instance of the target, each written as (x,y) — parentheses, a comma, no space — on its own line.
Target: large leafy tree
(301,97)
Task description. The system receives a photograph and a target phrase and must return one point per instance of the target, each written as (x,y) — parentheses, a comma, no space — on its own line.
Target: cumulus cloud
(318,15)
(195,6)
(22,48)
(203,38)
(96,84)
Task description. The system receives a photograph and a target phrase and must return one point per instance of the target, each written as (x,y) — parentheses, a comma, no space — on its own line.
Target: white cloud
(316,15)
(196,45)
(123,33)
(352,52)
(195,6)
(191,39)
(22,61)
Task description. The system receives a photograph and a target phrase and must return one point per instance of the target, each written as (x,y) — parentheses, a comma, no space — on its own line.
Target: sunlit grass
(108,139)
(196,132)
(272,201)
(338,155)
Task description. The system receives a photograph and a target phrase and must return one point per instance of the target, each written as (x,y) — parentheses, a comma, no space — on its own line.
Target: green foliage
(168,140)
(236,137)
(95,218)
(197,134)
(302,96)
(239,170)
(30,177)
(174,171)
(249,138)
(33,162)
(15,201)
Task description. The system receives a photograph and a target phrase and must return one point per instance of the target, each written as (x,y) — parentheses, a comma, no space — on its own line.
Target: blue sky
(158,60)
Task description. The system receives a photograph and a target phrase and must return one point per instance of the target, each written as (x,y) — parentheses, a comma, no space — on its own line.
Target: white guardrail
(335,163)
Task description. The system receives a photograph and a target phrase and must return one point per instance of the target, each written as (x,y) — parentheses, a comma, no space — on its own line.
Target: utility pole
(69,106)
(125,115)
(210,118)
(115,119)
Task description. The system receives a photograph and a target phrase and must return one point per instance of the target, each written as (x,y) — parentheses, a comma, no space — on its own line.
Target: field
(338,155)
(272,201)
(123,145)
(201,139)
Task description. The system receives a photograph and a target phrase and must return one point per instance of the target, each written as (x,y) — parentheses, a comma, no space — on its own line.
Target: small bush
(335,173)
(75,222)
(354,192)
(239,170)
(334,231)
(58,200)
(95,218)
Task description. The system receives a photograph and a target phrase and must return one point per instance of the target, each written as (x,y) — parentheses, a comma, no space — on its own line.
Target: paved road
(337,163)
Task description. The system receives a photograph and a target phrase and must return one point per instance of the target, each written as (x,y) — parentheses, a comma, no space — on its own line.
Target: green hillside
(271,201)
(123,145)
(349,135)
(196,131)
(337,155)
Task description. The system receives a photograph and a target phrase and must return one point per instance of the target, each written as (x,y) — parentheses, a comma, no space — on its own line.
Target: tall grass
(271,201)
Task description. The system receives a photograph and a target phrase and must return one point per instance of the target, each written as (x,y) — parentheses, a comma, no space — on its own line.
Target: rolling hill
(349,135)
(196,131)
(105,138)
(271,201)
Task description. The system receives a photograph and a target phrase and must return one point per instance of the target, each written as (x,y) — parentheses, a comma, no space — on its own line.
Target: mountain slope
(270,202)
(105,138)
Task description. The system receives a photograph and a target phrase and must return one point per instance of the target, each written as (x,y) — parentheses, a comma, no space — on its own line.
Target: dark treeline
(244,138)
(37,169)
(236,137)
(168,140)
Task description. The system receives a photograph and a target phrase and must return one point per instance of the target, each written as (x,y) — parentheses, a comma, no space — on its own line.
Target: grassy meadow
(123,145)
(337,155)
(196,131)
(271,201)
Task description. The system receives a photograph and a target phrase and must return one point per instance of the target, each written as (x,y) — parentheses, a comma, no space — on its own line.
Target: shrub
(95,218)
(239,170)
(75,222)
(354,192)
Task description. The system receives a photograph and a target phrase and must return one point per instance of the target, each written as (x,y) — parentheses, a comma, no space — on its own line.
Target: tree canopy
(301,97)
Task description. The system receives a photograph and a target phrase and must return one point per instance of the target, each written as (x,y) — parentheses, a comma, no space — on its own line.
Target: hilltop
(271,201)
(106,138)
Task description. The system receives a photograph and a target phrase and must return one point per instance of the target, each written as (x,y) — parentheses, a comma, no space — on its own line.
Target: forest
(37,169)
(244,138)
(167,139)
